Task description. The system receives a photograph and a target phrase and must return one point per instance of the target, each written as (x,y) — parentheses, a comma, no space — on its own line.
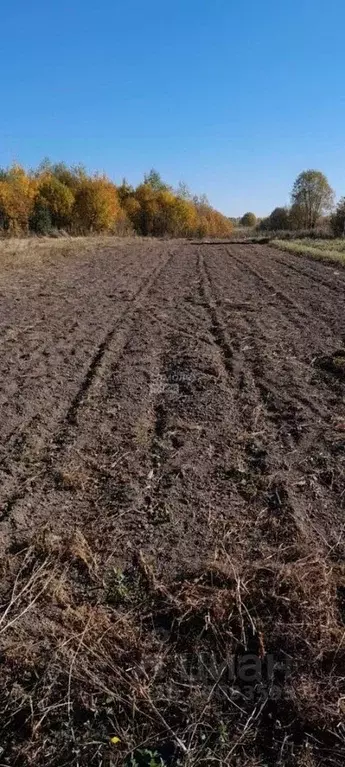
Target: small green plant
(118,588)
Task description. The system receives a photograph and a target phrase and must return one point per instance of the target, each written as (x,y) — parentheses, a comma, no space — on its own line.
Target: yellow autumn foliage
(96,206)
(56,196)
(17,196)
(58,199)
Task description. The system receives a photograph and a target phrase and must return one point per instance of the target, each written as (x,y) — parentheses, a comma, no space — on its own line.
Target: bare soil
(172,502)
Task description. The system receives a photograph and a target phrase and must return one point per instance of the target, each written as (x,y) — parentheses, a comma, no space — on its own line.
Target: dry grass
(322,250)
(36,251)
(89,654)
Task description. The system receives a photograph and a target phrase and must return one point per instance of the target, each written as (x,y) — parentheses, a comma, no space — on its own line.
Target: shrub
(278,219)
(249,219)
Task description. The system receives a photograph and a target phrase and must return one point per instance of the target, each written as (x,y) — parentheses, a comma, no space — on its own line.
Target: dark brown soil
(172,459)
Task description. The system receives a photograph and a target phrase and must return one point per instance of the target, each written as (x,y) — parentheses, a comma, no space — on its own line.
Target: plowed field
(172,462)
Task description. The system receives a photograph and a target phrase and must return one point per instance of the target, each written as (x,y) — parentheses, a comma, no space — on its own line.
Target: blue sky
(234,98)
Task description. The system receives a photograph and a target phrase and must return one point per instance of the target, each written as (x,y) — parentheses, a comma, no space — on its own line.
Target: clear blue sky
(235,98)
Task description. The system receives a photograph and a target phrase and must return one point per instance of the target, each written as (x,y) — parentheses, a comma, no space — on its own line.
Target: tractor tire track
(70,418)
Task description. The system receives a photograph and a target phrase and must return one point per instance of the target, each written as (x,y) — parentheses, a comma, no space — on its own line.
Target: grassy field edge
(319,253)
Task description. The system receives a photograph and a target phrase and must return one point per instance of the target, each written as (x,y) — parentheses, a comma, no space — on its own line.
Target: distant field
(332,250)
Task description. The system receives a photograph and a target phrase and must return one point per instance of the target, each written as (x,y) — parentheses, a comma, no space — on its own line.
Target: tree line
(312,203)
(56,196)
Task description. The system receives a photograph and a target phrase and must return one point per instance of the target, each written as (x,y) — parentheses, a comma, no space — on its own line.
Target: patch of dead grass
(36,251)
(154,670)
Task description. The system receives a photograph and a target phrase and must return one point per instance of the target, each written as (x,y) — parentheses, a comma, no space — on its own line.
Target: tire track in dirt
(121,335)
(260,484)
(50,377)
(167,410)
(61,298)
(250,330)
(271,287)
(44,463)
(319,305)
(93,367)
(217,328)
(293,418)
(310,274)
(162,441)
(252,474)
(259,322)
(294,375)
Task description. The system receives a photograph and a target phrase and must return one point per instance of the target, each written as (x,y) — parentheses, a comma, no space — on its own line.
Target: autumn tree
(96,207)
(17,195)
(147,213)
(71,176)
(132,210)
(249,219)
(56,195)
(164,222)
(57,199)
(124,191)
(211,223)
(185,217)
(220,225)
(313,196)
